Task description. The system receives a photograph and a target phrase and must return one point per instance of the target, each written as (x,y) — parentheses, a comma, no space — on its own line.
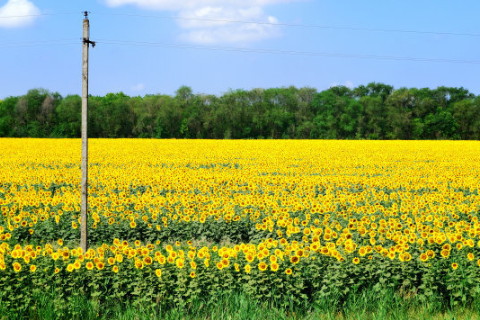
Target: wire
(39,43)
(249,50)
(38,15)
(298,25)
(462,34)
(287,52)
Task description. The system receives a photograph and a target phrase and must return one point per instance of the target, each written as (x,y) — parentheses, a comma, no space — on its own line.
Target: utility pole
(84,204)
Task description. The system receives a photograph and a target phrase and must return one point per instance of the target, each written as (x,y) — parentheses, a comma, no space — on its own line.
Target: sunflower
(250,257)
(262,266)
(405,257)
(225,263)
(147,260)
(138,264)
(423,257)
(158,272)
(17,267)
(161,260)
(362,251)
(274,266)
(180,263)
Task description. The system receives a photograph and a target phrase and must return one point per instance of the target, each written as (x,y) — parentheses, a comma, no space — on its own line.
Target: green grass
(365,305)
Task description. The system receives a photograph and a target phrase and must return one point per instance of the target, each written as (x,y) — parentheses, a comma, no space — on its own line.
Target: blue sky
(156,46)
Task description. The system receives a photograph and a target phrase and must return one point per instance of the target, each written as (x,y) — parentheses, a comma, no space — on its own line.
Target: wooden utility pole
(84,205)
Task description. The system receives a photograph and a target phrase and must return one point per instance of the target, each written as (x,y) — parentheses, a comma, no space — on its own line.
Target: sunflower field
(295,222)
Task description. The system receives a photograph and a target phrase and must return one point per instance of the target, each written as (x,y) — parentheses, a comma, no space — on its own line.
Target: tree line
(374,111)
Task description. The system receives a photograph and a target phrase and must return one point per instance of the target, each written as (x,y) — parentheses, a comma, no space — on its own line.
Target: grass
(365,305)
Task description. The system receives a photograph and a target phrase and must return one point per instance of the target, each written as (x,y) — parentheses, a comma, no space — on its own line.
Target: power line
(37,15)
(351,28)
(296,25)
(249,50)
(288,52)
(39,43)
(73,41)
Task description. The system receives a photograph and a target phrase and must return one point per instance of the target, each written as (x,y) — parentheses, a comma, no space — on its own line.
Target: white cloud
(349,84)
(222,27)
(190,4)
(138,87)
(221,30)
(11,13)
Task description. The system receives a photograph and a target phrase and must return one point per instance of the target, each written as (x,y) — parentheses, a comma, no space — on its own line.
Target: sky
(156,46)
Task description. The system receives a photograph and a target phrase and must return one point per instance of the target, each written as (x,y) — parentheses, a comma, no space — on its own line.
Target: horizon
(224,93)
(157,46)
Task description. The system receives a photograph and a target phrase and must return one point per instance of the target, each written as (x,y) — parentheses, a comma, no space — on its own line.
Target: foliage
(237,306)
(374,111)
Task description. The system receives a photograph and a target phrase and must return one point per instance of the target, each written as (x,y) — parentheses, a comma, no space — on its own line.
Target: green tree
(400,105)
(34,113)
(467,115)
(111,116)
(168,118)
(374,111)
(337,114)
(68,115)
(7,118)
